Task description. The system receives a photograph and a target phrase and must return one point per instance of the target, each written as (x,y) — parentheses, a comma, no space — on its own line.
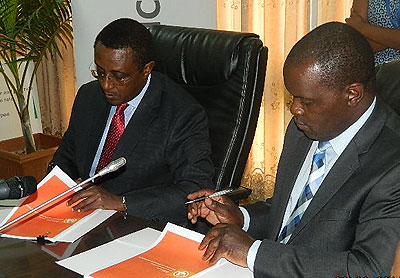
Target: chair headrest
(181,52)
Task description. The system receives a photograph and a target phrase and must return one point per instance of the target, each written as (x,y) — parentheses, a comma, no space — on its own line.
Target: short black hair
(127,32)
(341,52)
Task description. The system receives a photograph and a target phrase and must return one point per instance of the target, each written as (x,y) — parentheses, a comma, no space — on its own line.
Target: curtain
(280,24)
(56,84)
(333,10)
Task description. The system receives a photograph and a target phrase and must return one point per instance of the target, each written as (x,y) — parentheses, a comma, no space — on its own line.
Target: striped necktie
(314,181)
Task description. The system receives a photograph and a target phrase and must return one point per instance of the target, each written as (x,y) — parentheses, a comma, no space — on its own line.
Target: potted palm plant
(29,31)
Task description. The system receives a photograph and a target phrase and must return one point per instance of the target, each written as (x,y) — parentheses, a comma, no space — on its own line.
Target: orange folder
(50,220)
(173,256)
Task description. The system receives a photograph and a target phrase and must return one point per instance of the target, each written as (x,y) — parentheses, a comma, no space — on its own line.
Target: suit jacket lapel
(99,120)
(345,166)
(293,161)
(141,119)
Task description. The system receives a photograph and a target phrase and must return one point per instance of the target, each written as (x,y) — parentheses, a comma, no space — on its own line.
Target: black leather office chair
(388,84)
(225,72)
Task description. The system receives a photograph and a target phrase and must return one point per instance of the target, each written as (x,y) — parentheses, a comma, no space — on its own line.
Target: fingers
(200,193)
(193,213)
(212,233)
(215,206)
(214,246)
(198,209)
(226,241)
(82,194)
(85,205)
(225,211)
(356,21)
(215,210)
(87,197)
(211,243)
(213,252)
(217,255)
(95,198)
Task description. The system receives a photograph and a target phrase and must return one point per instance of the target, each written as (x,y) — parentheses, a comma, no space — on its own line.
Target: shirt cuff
(246,218)
(251,256)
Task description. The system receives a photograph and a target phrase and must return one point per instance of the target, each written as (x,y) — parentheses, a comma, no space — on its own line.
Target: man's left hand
(226,241)
(95,197)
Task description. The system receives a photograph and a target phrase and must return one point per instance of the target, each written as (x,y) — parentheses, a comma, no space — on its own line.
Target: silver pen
(216,194)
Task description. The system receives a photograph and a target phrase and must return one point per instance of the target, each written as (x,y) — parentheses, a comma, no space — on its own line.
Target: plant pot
(14,163)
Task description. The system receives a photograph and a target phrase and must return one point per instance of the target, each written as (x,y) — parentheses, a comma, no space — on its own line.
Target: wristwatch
(125,211)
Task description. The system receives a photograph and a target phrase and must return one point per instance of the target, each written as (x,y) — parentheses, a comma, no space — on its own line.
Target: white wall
(10,126)
(312,14)
(90,16)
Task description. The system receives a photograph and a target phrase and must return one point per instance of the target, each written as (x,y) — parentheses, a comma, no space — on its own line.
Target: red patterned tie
(117,127)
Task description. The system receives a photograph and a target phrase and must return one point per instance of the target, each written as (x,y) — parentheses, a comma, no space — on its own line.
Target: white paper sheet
(111,253)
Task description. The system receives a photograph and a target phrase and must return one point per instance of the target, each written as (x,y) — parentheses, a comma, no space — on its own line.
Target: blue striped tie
(314,181)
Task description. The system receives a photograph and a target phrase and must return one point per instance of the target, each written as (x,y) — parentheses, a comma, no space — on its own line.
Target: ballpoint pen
(216,194)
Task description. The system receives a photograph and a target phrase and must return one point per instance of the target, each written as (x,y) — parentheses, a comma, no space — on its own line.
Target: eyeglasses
(117,80)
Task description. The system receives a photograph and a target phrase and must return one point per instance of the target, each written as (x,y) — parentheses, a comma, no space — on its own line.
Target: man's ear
(355,93)
(148,68)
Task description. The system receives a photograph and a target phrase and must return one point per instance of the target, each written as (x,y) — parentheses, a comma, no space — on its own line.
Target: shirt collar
(136,100)
(340,142)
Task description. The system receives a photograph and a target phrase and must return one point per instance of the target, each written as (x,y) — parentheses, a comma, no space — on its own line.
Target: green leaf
(29,30)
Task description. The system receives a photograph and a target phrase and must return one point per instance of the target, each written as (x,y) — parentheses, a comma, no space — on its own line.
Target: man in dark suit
(336,206)
(164,132)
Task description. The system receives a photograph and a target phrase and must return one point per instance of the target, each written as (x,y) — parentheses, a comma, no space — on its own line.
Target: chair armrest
(240,193)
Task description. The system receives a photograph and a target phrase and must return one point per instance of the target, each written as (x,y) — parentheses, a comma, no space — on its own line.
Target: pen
(216,194)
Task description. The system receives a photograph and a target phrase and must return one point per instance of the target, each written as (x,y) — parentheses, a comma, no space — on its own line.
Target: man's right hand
(216,210)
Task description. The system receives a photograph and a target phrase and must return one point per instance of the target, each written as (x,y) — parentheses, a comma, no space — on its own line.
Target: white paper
(112,252)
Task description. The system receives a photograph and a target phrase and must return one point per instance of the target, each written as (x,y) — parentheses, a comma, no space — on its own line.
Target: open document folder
(56,221)
(147,253)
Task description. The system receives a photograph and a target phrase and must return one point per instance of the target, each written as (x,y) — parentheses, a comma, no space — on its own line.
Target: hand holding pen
(216,194)
(213,206)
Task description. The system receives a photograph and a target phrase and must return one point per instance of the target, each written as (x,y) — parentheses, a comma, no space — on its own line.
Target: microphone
(17,187)
(111,167)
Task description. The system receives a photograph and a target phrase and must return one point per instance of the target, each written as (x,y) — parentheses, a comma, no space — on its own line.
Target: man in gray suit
(336,206)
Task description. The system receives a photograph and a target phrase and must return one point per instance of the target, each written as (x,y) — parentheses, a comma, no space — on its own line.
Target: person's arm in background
(378,37)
